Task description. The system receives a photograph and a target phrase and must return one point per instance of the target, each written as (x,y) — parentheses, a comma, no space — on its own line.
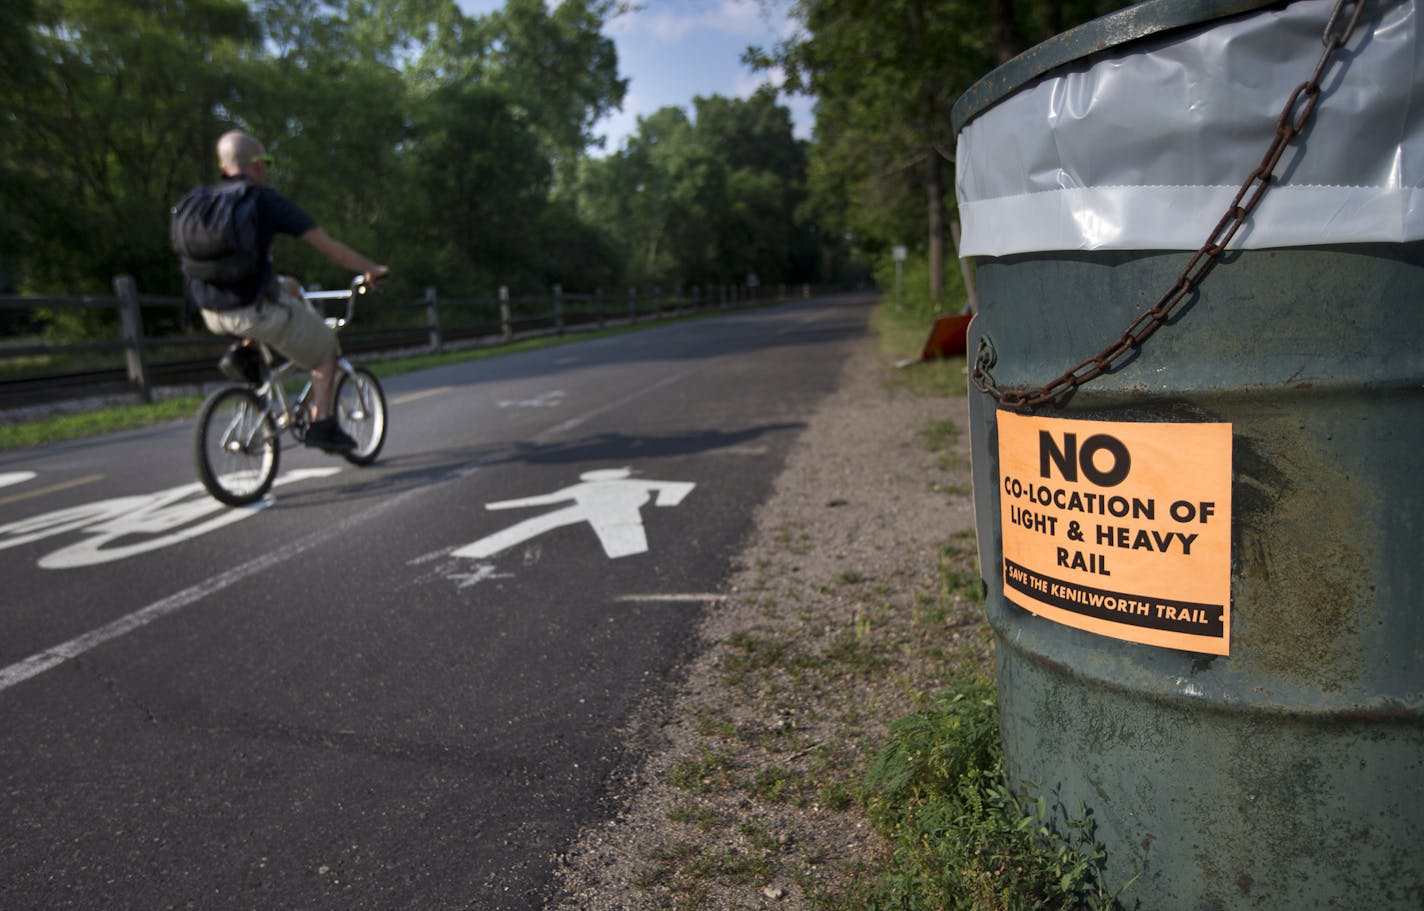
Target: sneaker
(242,364)
(328,436)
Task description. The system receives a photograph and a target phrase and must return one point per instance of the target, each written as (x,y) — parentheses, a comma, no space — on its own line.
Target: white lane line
(551,399)
(571,423)
(15,477)
(432,556)
(38,664)
(52,657)
(417,396)
(706,598)
(53,488)
(801,324)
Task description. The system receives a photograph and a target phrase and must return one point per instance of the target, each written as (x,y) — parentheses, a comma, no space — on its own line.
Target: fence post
(558,309)
(598,302)
(632,305)
(432,319)
(131,323)
(506,326)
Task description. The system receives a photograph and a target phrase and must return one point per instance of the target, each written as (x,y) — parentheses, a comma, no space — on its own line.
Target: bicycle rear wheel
(236,446)
(360,409)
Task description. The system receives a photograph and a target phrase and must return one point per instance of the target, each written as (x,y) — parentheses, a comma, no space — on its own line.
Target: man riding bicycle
(262,307)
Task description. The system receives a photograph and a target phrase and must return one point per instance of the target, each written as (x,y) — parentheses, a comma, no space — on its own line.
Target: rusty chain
(1292,120)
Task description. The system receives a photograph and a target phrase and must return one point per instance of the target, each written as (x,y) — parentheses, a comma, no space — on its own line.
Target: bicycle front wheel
(236,446)
(360,409)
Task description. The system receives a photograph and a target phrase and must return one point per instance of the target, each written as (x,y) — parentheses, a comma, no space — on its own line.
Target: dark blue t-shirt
(276,214)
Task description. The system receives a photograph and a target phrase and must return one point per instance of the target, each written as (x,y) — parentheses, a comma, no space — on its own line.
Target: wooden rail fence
(183,352)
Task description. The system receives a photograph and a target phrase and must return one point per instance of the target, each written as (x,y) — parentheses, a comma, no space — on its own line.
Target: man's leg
(323,379)
(290,325)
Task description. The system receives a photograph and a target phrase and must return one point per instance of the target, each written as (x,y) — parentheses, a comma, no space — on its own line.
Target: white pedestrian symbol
(609,499)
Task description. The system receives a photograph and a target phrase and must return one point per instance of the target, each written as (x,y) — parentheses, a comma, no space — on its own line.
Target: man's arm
(344,256)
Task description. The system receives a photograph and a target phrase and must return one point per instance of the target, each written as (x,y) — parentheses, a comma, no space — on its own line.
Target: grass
(904,326)
(93,423)
(959,839)
(709,772)
(850,577)
(956,837)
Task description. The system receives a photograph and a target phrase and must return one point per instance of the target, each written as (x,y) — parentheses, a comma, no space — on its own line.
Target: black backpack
(214,232)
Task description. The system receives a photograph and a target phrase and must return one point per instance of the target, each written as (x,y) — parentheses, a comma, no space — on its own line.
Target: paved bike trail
(343,699)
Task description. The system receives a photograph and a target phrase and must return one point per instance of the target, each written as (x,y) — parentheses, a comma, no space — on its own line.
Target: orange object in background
(947,338)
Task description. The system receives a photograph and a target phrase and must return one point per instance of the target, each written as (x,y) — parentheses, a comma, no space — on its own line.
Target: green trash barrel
(1205,567)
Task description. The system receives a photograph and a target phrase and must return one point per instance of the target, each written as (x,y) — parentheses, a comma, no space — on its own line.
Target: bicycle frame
(237,443)
(292,414)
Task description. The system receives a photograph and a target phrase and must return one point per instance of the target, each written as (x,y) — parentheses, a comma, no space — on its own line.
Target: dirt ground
(856,599)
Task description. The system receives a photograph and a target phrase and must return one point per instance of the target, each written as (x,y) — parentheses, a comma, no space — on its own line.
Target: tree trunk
(971,292)
(1055,17)
(934,189)
(1008,38)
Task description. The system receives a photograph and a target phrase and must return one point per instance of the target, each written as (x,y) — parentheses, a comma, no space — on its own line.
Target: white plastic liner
(1144,148)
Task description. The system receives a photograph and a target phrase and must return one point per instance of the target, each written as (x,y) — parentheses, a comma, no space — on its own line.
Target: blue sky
(673,50)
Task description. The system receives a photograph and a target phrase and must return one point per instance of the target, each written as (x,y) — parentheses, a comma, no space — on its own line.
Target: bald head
(237,151)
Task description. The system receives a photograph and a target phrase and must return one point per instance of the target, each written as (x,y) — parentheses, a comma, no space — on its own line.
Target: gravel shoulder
(855,599)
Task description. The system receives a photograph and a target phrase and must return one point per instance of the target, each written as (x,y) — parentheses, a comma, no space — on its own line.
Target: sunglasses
(265,159)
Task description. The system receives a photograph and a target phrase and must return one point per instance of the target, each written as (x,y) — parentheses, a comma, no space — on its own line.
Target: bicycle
(237,444)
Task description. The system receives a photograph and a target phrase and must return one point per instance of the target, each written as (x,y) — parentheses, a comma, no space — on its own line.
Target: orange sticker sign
(1120,529)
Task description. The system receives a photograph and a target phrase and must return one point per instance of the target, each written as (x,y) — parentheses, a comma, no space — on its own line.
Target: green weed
(703,818)
(711,771)
(938,435)
(774,784)
(957,581)
(959,839)
(747,654)
(857,655)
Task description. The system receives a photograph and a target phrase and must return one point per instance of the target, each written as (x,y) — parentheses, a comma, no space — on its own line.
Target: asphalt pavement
(399,686)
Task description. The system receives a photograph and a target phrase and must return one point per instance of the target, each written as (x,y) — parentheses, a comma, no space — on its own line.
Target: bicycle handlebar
(358,287)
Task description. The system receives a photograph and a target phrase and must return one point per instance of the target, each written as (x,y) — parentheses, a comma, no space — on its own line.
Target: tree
(705,199)
(105,132)
(481,186)
(886,74)
(332,110)
(559,69)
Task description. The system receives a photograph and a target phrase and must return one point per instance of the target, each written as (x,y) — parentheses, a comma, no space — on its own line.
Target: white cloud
(674,50)
(732,18)
(617,126)
(748,84)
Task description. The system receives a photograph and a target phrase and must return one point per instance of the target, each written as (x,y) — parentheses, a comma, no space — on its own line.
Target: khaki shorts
(287,323)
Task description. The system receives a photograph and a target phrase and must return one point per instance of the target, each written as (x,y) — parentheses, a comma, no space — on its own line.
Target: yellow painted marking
(53,488)
(417,396)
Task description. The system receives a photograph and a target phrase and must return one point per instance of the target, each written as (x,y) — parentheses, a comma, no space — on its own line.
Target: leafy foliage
(886,74)
(705,199)
(457,148)
(425,137)
(453,147)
